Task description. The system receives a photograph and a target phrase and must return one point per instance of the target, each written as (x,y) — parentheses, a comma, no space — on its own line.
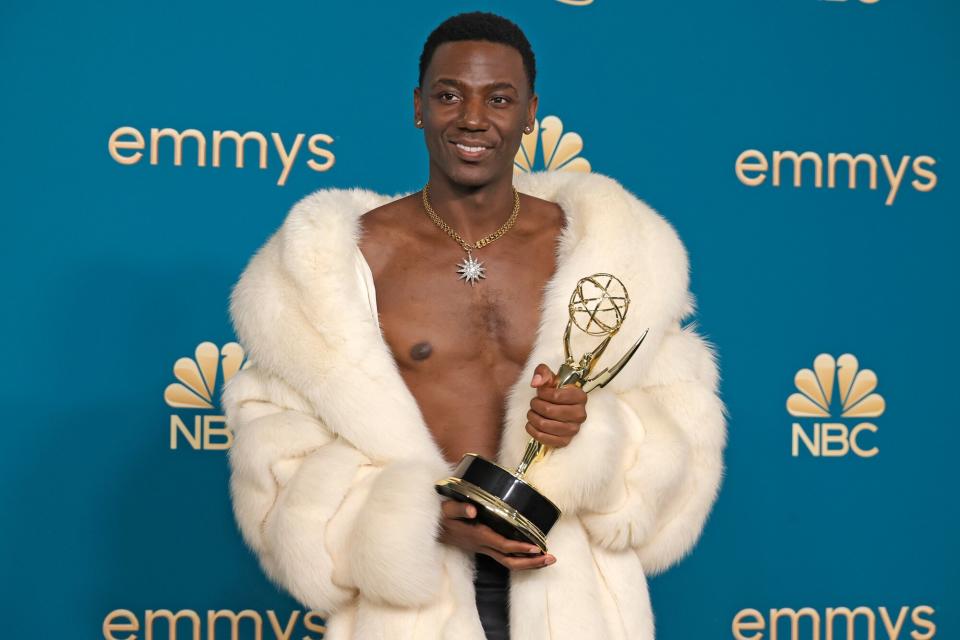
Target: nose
(473,114)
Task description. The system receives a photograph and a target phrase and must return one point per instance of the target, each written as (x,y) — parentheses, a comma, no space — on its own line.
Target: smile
(469,152)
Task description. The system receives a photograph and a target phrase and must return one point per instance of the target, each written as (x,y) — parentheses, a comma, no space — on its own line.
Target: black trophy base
(505,502)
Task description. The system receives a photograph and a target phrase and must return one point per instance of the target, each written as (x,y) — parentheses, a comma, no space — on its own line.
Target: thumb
(542,375)
(456,509)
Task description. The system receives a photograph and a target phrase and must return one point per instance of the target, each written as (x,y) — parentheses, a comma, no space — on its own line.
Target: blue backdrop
(114,270)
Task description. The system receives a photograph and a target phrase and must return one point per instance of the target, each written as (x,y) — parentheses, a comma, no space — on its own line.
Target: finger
(457,509)
(550,440)
(542,376)
(559,412)
(553,427)
(462,530)
(567,394)
(487,537)
(516,563)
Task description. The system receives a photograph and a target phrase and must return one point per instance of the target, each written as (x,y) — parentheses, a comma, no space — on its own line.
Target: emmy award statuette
(505,501)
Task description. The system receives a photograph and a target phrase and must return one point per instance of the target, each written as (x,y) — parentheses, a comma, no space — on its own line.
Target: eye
(447,97)
(505,100)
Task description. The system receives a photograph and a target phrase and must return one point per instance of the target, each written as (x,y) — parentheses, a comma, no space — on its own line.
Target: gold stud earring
(527,129)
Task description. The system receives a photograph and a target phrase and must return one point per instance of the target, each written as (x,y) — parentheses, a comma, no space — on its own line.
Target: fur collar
(299,314)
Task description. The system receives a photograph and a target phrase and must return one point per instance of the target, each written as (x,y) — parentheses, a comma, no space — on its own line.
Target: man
(386,342)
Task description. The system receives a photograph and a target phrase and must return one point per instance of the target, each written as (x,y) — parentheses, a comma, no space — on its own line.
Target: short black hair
(480,25)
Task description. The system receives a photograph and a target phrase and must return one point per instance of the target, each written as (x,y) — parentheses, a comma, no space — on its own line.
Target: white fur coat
(333,465)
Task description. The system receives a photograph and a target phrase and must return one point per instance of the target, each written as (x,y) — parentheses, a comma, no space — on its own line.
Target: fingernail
(537,379)
(534,550)
(471,512)
(550,560)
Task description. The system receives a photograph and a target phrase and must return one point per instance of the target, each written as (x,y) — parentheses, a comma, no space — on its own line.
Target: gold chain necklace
(471,269)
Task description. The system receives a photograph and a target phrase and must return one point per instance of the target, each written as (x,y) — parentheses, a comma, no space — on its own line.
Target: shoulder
(329,216)
(595,202)
(314,247)
(388,215)
(386,229)
(644,239)
(539,217)
(321,228)
(611,230)
(609,204)
(604,217)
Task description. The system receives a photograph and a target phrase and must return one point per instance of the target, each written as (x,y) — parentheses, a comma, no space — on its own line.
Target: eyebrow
(453,82)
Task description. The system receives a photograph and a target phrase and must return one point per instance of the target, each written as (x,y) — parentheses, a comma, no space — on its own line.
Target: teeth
(470,149)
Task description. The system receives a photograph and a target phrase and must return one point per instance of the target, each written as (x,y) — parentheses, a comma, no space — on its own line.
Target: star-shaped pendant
(471,269)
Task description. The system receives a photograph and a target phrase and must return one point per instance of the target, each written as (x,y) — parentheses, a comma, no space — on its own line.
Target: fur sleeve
(324,521)
(672,469)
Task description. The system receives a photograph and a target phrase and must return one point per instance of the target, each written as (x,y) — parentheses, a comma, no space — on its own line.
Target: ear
(532,109)
(417,110)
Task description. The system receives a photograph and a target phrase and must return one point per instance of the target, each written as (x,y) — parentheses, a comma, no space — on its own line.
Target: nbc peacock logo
(560,150)
(196,391)
(855,398)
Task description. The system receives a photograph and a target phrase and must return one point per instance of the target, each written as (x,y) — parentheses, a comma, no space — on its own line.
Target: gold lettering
(176,424)
(918,169)
(794,616)
(156,134)
(834,433)
(109,626)
(834,158)
(284,633)
(850,616)
(314,622)
(813,446)
(286,158)
(219,136)
(209,431)
(893,631)
(894,178)
(753,620)
(115,144)
(172,622)
(923,622)
(779,156)
(213,616)
(320,152)
(740,625)
(127,145)
(742,166)
(855,445)
(755,162)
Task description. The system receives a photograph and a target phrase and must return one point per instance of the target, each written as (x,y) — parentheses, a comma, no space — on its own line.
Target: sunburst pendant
(471,269)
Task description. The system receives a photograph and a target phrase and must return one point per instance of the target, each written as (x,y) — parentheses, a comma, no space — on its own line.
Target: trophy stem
(578,375)
(535,450)
(568,373)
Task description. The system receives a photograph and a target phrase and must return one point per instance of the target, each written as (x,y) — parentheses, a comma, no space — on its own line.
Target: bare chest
(460,347)
(434,321)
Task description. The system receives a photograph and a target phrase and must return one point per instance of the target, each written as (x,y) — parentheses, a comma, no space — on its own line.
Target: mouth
(472,151)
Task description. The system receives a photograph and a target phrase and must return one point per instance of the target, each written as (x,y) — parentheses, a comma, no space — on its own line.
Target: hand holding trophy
(505,501)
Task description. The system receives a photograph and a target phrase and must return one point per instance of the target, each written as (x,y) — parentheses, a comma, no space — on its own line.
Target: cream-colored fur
(333,465)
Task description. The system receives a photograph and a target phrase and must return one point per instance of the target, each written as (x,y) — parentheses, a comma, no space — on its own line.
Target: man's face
(474,93)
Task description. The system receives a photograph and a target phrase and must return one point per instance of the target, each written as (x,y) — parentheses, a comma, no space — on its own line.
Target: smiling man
(388,336)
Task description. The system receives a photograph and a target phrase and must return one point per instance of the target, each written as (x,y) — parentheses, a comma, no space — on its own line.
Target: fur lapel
(299,314)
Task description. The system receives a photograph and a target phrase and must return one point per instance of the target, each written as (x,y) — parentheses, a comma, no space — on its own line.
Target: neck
(474,211)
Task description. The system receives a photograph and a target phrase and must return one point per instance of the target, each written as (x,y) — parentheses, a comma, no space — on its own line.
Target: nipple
(421,351)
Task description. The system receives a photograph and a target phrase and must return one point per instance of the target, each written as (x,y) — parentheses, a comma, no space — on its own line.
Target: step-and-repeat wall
(804,149)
